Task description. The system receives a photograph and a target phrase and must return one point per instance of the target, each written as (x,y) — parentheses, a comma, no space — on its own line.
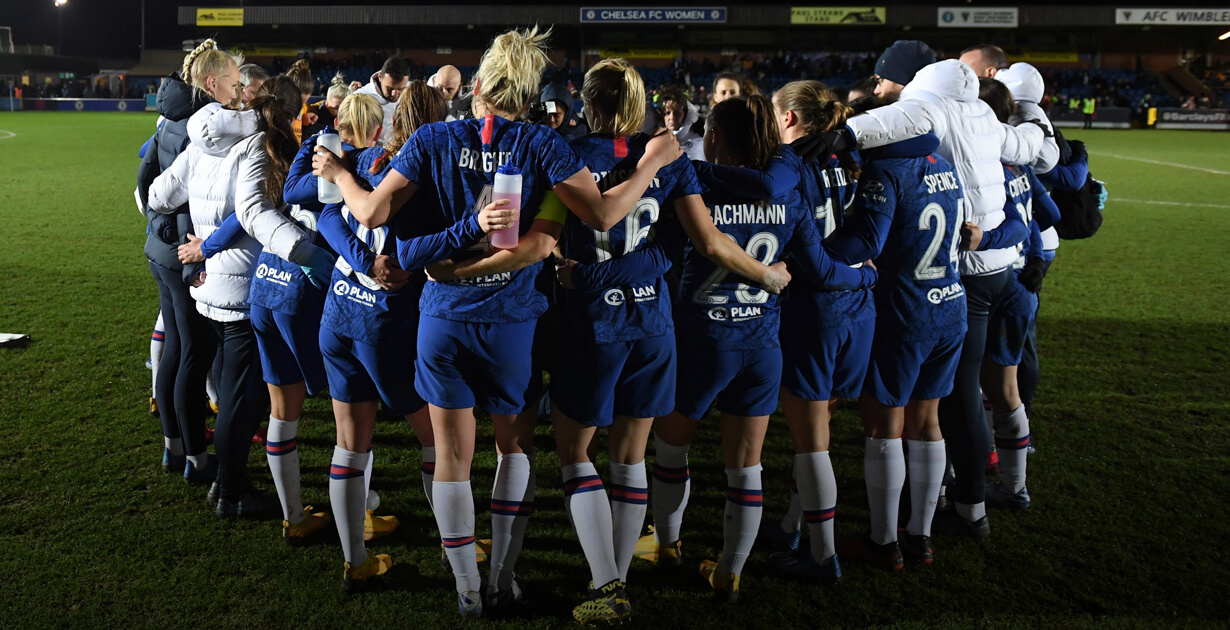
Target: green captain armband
(552,209)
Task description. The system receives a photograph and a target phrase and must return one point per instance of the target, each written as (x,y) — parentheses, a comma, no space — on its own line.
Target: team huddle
(888,251)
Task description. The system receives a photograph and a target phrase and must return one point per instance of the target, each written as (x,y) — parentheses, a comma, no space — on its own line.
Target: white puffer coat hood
(943,99)
(692,143)
(1027,87)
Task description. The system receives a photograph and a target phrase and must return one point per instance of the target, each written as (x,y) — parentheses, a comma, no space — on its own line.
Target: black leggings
(1029,372)
(241,392)
(188,350)
(961,415)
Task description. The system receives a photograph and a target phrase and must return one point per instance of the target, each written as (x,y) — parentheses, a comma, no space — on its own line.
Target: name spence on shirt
(770,213)
(939,182)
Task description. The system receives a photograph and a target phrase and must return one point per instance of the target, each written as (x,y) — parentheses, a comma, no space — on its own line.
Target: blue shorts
(289,348)
(826,363)
(593,383)
(1009,325)
(743,382)
(901,370)
(463,365)
(360,372)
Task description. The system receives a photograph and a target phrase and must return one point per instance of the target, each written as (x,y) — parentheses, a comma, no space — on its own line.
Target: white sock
(971,512)
(511,500)
(429,472)
(744,506)
(792,520)
(629,500)
(672,483)
(455,518)
(927,462)
(367,472)
(1012,442)
(349,500)
(199,460)
(818,497)
(155,350)
(175,445)
(884,470)
(282,452)
(210,389)
(586,503)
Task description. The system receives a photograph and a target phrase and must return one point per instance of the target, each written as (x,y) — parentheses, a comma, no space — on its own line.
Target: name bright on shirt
(490,160)
(753,213)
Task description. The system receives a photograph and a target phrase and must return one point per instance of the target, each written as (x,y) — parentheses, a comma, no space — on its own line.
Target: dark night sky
(112,28)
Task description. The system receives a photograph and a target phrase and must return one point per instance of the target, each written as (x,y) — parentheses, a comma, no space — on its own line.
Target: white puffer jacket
(1027,87)
(224,163)
(692,143)
(373,88)
(943,99)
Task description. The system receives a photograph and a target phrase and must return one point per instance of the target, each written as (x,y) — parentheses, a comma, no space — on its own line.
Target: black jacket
(177,102)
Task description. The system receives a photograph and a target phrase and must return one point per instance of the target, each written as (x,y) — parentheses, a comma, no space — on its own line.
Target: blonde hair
(614,88)
(339,89)
(819,110)
(360,114)
(205,61)
(511,70)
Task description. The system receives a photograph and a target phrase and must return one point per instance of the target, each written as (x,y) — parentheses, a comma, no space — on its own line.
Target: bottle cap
(508,169)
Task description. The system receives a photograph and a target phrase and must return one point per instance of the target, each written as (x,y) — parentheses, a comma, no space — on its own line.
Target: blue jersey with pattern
(356,306)
(456,162)
(280,285)
(919,292)
(635,310)
(828,190)
(1018,184)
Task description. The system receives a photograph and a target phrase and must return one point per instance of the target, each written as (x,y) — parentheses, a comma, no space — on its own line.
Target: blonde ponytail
(360,115)
(614,90)
(206,61)
(339,88)
(511,70)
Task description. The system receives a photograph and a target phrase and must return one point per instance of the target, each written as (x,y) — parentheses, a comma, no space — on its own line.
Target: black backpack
(1079,215)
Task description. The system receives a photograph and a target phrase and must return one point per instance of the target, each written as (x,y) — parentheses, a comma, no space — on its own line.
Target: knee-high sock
(586,503)
(211,388)
(1012,441)
(927,464)
(429,473)
(818,495)
(155,350)
(629,499)
(454,501)
(884,470)
(744,506)
(511,500)
(348,499)
(672,483)
(367,473)
(792,520)
(282,451)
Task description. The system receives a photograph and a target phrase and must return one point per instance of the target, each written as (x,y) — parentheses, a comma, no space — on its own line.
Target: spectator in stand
(386,86)
(251,77)
(986,60)
(861,88)
(682,118)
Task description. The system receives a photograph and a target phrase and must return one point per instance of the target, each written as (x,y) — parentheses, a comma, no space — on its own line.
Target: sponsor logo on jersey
(276,276)
(614,297)
(939,182)
(494,280)
(950,292)
(355,294)
(719,313)
(752,213)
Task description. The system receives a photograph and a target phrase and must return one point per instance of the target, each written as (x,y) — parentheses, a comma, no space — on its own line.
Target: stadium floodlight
(1224,36)
(60,3)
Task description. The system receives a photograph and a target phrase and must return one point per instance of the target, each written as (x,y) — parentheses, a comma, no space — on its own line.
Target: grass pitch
(1130,483)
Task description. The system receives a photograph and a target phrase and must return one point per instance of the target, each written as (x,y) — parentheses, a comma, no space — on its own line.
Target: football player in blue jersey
(728,330)
(908,214)
(1012,318)
(478,318)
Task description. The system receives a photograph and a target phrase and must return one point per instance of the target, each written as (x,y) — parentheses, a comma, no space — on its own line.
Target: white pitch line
(10,135)
(1159,163)
(1170,203)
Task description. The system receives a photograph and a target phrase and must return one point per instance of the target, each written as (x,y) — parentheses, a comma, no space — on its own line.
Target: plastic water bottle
(327,191)
(508,186)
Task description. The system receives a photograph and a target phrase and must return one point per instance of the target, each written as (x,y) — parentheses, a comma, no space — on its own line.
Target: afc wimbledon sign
(666,15)
(1173,17)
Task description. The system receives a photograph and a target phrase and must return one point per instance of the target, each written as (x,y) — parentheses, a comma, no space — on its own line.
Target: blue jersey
(827,190)
(1024,189)
(456,162)
(280,285)
(637,310)
(720,309)
(920,199)
(357,307)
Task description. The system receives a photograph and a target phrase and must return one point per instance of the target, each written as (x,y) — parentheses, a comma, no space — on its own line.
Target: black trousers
(241,394)
(961,415)
(189,346)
